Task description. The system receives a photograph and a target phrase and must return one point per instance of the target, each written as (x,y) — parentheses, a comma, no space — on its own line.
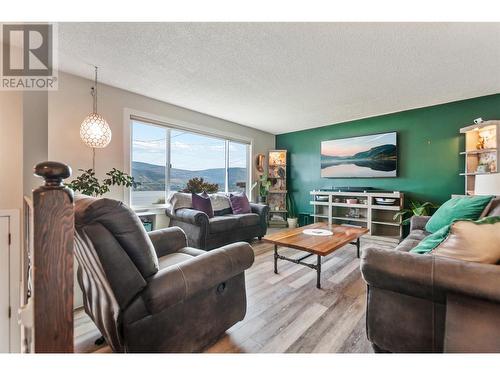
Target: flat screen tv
(373,155)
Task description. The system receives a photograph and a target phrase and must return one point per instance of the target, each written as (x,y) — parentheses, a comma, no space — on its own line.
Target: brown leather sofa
(150,292)
(423,303)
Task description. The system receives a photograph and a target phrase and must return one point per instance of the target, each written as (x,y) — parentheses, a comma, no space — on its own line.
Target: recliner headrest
(123,224)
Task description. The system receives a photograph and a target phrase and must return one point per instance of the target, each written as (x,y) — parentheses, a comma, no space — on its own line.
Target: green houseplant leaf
(87,183)
(264,185)
(416,209)
(290,206)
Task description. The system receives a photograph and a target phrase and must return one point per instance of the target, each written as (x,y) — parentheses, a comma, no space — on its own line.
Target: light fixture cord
(95,111)
(95,91)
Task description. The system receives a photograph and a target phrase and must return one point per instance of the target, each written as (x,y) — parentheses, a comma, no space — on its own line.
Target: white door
(4,285)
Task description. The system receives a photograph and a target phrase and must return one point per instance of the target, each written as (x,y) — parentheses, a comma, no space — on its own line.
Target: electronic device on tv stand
(355,189)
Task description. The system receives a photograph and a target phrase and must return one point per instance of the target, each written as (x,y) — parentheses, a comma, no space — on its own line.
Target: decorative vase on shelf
(292,222)
(481,168)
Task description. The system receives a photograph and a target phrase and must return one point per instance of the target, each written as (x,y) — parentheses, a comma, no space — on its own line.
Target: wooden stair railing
(53,223)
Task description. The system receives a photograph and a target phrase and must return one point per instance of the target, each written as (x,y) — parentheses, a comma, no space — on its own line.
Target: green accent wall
(428,143)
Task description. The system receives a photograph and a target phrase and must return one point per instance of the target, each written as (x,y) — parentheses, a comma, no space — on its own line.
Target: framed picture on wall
(373,155)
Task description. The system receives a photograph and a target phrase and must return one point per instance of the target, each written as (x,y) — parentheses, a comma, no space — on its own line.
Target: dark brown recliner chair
(149,292)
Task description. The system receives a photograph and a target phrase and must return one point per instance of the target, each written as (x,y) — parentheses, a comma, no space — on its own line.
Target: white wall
(72,102)
(11,150)
(11,193)
(35,141)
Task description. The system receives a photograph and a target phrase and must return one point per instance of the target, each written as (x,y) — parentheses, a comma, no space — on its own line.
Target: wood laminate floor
(286,312)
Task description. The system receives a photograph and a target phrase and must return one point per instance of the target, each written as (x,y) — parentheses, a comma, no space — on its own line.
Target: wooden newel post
(53,260)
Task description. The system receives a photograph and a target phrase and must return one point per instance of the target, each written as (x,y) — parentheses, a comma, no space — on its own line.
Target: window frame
(171,124)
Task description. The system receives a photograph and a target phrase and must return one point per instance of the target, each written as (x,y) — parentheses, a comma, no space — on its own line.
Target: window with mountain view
(149,158)
(164,159)
(195,155)
(237,171)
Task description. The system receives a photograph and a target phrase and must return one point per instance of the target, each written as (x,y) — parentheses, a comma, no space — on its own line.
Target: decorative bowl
(386,201)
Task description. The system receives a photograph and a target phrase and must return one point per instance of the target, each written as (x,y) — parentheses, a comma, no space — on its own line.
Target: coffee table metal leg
(318,273)
(357,246)
(275,258)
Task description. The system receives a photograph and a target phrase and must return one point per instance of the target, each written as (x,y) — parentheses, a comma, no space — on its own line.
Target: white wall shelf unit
(482,145)
(332,207)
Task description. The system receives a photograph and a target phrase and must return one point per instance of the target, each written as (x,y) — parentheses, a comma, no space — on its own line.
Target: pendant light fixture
(94,130)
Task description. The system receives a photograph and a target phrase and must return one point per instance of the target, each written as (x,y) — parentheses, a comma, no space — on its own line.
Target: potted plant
(264,185)
(416,209)
(199,185)
(292,213)
(88,184)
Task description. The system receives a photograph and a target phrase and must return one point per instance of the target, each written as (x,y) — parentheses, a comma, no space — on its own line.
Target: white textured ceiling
(282,77)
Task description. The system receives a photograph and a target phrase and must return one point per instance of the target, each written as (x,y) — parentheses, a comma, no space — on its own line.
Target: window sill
(158,209)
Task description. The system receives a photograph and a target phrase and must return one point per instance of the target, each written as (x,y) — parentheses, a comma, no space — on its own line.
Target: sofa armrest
(263,211)
(179,282)
(418,222)
(190,216)
(260,209)
(168,240)
(429,276)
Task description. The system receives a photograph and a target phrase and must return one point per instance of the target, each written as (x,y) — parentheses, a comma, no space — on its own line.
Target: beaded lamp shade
(95,131)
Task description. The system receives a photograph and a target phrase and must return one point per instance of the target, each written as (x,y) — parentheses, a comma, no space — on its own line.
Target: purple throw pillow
(240,203)
(201,202)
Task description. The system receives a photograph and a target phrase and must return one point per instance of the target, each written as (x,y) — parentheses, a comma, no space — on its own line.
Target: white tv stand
(331,206)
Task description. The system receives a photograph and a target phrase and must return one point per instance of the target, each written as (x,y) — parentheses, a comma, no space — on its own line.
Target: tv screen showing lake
(365,156)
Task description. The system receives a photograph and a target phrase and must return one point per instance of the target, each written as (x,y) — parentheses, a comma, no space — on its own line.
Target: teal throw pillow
(432,241)
(457,208)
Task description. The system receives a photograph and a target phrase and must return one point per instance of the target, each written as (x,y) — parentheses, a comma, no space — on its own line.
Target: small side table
(148,219)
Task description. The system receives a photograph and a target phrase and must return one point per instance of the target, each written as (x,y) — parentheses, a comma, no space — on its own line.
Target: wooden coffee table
(314,245)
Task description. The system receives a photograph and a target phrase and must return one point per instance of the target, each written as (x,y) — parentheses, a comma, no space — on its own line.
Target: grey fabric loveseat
(224,228)
(150,292)
(427,303)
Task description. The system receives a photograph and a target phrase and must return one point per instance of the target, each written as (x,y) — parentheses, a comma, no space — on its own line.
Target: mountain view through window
(190,155)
